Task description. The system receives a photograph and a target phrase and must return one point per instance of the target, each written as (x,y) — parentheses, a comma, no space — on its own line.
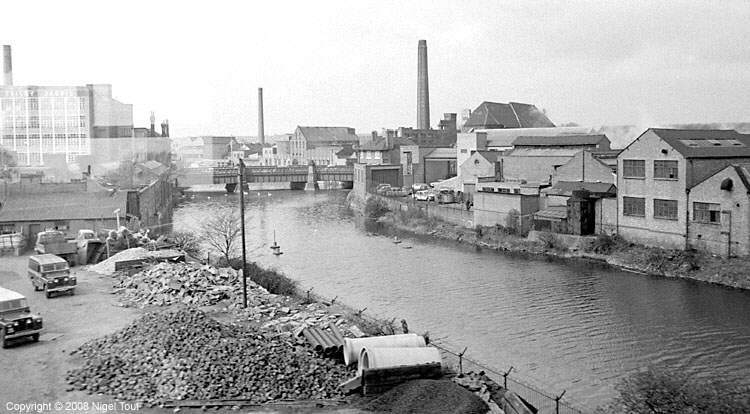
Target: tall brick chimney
(261,133)
(7,66)
(423,89)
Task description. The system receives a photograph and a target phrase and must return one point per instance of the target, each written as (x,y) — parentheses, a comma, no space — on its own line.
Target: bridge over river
(308,177)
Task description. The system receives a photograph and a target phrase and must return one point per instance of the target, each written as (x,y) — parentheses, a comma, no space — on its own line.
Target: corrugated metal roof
(507,115)
(327,134)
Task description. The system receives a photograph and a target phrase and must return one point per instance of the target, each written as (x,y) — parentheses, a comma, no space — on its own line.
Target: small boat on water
(406,247)
(396,240)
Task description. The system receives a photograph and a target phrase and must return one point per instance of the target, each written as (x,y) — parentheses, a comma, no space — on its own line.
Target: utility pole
(242,223)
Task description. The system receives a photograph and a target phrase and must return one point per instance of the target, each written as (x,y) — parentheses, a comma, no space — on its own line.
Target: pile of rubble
(184,354)
(164,284)
(190,283)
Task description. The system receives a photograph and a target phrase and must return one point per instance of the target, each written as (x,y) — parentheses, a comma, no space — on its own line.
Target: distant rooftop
(495,115)
(562,140)
(328,134)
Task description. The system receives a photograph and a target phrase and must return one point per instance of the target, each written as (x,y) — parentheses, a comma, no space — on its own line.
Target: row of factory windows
(667,209)
(45,122)
(20,105)
(663,169)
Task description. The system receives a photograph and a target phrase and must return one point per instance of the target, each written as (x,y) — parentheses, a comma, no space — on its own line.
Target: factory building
(53,121)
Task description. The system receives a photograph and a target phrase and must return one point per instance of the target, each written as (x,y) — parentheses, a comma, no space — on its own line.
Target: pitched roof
(328,134)
(494,115)
(560,140)
(706,143)
(62,206)
(379,144)
(345,152)
(490,156)
(567,187)
(442,153)
(543,152)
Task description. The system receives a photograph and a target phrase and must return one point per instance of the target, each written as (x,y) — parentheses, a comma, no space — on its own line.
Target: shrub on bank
(375,208)
(659,390)
(271,280)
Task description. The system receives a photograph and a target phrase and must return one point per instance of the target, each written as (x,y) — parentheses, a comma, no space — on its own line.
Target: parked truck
(54,242)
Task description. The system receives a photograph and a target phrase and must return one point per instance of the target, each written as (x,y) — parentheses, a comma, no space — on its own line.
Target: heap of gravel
(183,354)
(107,267)
(428,397)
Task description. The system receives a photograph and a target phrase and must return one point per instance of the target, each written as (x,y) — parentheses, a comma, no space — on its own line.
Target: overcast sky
(354,63)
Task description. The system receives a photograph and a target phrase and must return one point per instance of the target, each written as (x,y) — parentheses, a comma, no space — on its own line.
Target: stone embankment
(612,251)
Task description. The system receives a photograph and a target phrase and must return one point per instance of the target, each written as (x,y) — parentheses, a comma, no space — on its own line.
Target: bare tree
(221,231)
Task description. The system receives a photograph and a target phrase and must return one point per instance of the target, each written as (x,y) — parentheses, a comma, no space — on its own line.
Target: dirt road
(35,372)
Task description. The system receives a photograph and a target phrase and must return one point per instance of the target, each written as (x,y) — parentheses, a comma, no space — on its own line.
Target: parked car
(424,195)
(382,188)
(51,274)
(16,319)
(419,187)
(446,197)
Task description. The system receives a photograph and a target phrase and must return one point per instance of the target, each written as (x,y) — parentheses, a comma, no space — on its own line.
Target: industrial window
(665,169)
(634,206)
(7,228)
(706,213)
(665,209)
(463,150)
(634,168)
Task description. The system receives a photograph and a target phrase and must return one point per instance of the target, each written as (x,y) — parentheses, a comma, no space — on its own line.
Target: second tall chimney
(261,133)
(7,66)
(423,89)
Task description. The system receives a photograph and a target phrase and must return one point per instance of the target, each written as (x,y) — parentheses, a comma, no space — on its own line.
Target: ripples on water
(578,327)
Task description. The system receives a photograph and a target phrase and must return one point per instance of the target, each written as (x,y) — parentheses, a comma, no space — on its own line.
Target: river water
(578,327)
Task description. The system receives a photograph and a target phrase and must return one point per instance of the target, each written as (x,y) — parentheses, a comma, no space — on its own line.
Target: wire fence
(544,401)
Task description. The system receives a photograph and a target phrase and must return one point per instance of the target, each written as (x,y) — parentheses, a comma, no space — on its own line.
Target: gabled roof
(328,134)
(62,206)
(560,140)
(494,115)
(706,143)
(742,170)
(490,156)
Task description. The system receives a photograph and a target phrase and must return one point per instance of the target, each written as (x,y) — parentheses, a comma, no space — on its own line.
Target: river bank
(613,251)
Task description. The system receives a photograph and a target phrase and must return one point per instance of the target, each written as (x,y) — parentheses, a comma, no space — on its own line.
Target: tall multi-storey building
(43,121)
(37,121)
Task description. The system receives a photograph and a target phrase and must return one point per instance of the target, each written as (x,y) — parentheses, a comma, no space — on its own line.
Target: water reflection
(578,327)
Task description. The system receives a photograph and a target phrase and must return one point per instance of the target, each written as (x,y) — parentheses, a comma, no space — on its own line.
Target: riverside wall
(697,266)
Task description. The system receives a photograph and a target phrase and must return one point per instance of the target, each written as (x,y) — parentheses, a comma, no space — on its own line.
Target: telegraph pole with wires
(242,223)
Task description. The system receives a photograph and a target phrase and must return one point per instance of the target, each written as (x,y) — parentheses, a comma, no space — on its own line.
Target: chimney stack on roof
(7,66)
(423,90)
(152,131)
(261,133)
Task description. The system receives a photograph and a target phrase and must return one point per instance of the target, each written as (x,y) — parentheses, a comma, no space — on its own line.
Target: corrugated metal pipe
(353,347)
(395,357)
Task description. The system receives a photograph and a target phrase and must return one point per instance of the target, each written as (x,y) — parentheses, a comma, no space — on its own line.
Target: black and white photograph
(361,207)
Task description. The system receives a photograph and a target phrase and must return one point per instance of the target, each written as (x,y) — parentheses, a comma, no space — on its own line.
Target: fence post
(505,377)
(557,402)
(461,361)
